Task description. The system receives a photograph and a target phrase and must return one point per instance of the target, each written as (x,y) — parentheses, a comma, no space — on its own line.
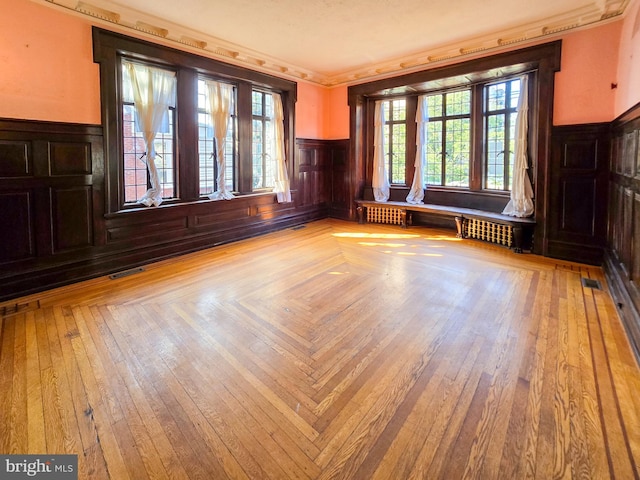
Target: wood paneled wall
(52,208)
(622,256)
(578,184)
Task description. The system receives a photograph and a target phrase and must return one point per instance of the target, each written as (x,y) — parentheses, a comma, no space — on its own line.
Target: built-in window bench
(512,232)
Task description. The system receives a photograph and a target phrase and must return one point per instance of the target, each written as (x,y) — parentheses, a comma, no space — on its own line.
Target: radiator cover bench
(470,223)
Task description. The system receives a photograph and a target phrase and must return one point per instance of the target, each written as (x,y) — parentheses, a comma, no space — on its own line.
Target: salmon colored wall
(48,73)
(336,121)
(47,70)
(322,113)
(310,110)
(628,91)
(589,67)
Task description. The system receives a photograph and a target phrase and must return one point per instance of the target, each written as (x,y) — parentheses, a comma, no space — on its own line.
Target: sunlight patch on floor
(375,235)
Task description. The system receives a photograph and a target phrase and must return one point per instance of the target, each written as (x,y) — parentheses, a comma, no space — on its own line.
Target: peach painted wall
(589,66)
(336,121)
(310,110)
(628,92)
(48,73)
(322,113)
(47,68)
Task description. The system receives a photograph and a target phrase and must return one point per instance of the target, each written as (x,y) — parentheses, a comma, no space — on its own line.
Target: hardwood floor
(333,351)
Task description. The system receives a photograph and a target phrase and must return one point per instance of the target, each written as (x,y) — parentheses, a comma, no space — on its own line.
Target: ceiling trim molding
(127,20)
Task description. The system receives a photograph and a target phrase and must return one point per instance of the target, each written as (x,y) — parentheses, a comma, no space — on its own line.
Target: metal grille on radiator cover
(384,215)
(488,231)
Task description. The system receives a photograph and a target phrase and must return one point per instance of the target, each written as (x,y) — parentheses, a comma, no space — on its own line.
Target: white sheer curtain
(281,188)
(416,194)
(220,96)
(521,203)
(380,180)
(153,91)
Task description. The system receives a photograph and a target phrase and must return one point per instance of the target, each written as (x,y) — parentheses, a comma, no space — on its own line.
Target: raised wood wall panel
(53,204)
(67,158)
(339,183)
(313,168)
(15,158)
(578,192)
(628,159)
(626,235)
(622,258)
(72,217)
(16,235)
(634,253)
(579,204)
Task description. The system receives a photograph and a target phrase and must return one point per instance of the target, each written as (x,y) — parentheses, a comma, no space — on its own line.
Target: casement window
(500,112)
(138,176)
(448,139)
(263,139)
(395,139)
(220,131)
(208,164)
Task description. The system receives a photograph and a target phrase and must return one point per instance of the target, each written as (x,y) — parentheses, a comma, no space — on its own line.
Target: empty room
(319,240)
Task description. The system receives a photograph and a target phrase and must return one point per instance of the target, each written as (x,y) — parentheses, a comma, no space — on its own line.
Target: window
(207,152)
(450,153)
(262,150)
(189,159)
(136,178)
(448,140)
(395,139)
(465,132)
(500,111)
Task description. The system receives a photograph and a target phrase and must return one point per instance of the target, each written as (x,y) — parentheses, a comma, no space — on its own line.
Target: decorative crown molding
(127,20)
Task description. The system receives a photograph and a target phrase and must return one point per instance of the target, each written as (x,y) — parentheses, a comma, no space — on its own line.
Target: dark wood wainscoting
(52,208)
(622,256)
(578,183)
(51,194)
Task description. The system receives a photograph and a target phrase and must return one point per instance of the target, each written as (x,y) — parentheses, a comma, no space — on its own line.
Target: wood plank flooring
(333,351)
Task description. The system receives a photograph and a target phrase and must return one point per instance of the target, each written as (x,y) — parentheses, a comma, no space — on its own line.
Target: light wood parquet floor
(333,351)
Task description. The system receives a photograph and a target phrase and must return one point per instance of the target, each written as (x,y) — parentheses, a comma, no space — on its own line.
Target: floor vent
(590,283)
(385,215)
(126,273)
(9,309)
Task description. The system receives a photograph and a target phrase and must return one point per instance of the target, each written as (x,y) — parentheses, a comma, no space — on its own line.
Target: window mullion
(187,136)
(245,127)
(477,129)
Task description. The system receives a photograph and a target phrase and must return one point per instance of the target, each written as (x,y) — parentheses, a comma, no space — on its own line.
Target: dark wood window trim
(110,47)
(542,60)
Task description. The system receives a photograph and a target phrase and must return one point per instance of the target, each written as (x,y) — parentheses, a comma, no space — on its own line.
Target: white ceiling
(332,42)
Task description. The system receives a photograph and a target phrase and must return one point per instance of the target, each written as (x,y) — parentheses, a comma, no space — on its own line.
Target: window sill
(176,203)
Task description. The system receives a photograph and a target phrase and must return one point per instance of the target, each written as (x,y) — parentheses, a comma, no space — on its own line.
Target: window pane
(433,170)
(398,162)
(263,143)
(256,103)
(515,93)
(395,131)
(495,152)
(457,152)
(134,150)
(434,103)
(459,103)
(501,102)
(449,120)
(496,97)
(399,109)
